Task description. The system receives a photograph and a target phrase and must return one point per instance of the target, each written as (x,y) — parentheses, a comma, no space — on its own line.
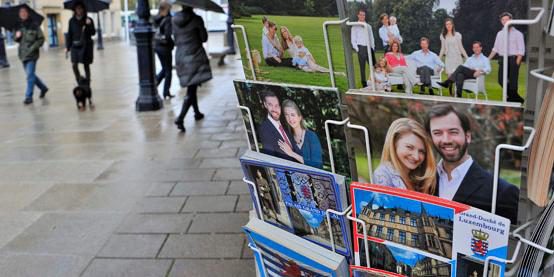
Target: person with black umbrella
(164,46)
(193,66)
(30,39)
(79,41)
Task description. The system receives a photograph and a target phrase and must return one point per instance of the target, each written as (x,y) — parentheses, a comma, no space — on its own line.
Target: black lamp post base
(147,102)
(148,99)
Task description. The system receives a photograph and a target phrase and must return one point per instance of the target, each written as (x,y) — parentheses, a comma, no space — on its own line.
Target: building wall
(110,19)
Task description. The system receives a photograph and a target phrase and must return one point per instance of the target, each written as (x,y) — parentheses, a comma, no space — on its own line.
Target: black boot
(430,90)
(186,105)
(447,83)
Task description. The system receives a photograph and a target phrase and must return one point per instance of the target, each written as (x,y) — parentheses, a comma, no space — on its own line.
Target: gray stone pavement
(113,192)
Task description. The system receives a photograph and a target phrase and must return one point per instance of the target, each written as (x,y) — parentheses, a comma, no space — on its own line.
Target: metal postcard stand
(247,45)
(497,162)
(506,41)
(251,127)
(257,251)
(371,42)
(260,210)
(351,126)
(538,73)
(328,48)
(356,221)
(521,240)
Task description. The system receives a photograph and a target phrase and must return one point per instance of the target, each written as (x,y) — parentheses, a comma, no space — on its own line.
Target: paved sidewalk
(113,192)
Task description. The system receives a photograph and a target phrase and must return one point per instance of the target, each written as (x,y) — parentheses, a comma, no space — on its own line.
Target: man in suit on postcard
(272,131)
(460,178)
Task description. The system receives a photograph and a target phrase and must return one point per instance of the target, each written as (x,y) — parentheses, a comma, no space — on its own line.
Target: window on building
(391,218)
(415,239)
(413,222)
(379,231)
(403,220)
(402,237)
(390,234)
(382,216)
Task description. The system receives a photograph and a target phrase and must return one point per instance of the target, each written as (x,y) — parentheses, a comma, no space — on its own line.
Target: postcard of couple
(416,234)
(439,147)
(288,122)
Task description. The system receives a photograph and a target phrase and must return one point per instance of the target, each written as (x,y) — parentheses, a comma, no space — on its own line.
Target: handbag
(159,36)
(81,42)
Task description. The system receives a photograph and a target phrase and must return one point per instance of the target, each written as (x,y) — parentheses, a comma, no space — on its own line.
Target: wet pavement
(114,192)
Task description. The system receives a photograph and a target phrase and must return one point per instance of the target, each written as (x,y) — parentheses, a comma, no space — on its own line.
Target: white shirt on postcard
(358,37)
(448,188)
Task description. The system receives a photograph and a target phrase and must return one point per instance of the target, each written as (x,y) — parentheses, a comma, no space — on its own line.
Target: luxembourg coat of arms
(479,242)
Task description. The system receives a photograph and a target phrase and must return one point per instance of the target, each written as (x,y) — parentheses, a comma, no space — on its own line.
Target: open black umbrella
(9,16)
(93,6)
(201,4)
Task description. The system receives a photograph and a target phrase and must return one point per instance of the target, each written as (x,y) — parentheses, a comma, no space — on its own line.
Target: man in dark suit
(272,131)
(460,178)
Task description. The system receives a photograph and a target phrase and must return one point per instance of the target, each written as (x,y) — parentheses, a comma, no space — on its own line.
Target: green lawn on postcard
(311,30)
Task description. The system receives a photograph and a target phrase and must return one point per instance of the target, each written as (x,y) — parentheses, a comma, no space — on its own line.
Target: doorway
(53,30)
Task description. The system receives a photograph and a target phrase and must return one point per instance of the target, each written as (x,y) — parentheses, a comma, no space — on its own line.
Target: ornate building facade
(418,230)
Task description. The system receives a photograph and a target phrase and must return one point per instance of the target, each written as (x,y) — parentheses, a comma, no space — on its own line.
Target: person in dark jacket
(79,40)
(193,66)
(30,39)
(164,46)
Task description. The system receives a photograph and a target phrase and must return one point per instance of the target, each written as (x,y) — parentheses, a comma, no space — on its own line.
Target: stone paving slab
(200,188)
(132,246)
(203,246)
(65,234)
(156,223)
(128,268)
(213,268)
(160,205)
(218,223)
(224,203)
(24,265)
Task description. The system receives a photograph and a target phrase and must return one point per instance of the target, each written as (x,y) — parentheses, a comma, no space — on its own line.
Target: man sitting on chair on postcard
(475,66)
(460,178)
(272,131)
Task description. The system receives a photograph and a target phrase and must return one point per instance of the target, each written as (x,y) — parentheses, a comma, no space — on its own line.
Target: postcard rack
(369,37)
(521,241)
(247,46)
(348,211)
(506,41)
(328,48)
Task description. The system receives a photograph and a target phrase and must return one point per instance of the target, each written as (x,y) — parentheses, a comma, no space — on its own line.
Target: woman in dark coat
(193,66)
(164,46)
(79,40)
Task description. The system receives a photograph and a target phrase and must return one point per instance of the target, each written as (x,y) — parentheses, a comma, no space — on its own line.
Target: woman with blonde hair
(407,161)
(287,41)
(306,139)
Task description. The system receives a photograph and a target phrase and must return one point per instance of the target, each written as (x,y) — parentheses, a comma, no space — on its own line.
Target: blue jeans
(32,79)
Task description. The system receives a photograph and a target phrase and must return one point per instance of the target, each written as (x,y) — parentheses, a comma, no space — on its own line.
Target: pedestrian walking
(79,41)
(164,46)
(30,39)
(193,66)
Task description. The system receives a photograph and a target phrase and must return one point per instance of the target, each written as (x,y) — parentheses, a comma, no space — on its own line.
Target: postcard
(411,233)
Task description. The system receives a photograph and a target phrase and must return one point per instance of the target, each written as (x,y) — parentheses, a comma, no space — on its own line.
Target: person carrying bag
(79,41)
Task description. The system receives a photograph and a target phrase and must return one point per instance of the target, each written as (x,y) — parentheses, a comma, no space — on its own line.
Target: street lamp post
(100,41)
(3,56)
(148,99)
